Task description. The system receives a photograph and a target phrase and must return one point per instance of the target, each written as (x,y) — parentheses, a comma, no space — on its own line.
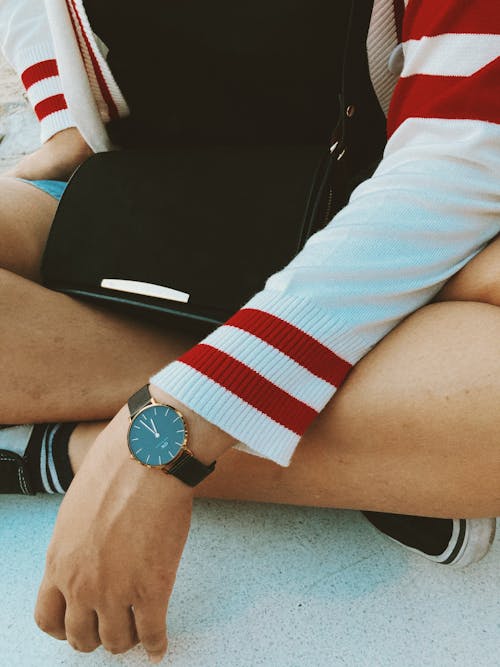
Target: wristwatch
(158,436)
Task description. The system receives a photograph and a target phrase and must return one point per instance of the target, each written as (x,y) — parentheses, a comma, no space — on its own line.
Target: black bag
(211,213)
(210,223)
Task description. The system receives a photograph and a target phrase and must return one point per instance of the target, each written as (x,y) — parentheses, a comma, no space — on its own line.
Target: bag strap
(358,138)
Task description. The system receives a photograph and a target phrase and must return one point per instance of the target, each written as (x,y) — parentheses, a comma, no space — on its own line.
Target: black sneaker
(14,470)
(457,542)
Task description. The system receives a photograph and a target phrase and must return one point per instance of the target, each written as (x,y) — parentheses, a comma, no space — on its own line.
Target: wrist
(206,441)
(70,144)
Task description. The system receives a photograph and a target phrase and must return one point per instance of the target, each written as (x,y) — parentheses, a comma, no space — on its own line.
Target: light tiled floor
(278,587)
(264,585)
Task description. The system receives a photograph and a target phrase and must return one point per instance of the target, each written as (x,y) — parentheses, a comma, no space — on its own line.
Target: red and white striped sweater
(432,204)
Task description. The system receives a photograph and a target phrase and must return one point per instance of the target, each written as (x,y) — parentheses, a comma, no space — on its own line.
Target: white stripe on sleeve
(272,364)
(449,54)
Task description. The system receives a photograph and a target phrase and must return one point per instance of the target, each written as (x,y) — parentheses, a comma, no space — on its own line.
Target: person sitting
(385,391)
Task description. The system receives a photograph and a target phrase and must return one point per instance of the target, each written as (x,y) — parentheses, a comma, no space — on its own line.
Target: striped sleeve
(432,205)
(26,43)
(40,77)
(106,93)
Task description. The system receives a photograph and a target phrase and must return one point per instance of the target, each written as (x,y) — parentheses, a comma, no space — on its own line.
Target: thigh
(26,215)
(415,425)
(414,428)
(64,359)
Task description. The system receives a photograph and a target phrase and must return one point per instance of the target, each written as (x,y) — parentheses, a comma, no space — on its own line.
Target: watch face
(156,435)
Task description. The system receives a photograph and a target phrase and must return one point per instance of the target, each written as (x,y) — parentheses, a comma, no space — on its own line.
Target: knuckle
(118,647)
(78,588)
(51,560)
(118,643)
(89,648)
(48,626)
(156,587)
(77,595)
(143,591)
(83,647)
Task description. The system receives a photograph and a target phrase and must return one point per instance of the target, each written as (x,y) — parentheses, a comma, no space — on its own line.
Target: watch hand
(153,425)
(149,429)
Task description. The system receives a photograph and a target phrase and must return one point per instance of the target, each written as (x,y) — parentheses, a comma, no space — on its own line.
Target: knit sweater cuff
(39,73)
(266,373)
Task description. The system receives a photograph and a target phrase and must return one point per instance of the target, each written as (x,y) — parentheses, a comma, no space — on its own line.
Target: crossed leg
(412,430)
(61,359)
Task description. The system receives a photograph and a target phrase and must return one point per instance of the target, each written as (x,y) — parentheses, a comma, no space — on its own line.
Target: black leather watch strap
(189,470)
(139,400)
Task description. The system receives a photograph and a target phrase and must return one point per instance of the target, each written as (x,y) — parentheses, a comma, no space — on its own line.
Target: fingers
(117,629)
(50,610)
(82,629)
(150,621)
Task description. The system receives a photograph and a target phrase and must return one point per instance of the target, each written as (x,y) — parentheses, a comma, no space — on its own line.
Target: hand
(113,557)
(56,159)
(117,542)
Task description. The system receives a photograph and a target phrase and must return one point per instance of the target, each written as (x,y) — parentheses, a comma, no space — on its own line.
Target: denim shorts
(53,188)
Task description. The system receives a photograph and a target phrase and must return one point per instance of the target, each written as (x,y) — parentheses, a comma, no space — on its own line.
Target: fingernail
(155,658)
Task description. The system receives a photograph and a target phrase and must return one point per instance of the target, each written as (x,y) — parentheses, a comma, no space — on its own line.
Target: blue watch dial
(156,435)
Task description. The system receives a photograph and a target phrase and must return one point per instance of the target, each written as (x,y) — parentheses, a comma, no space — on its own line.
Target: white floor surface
(277,587)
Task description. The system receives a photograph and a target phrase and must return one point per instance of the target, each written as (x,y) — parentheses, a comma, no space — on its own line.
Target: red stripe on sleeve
(251,387)
(50,105)
(106,93)
(474,97)
(428,18)
(38,72)
(295,343)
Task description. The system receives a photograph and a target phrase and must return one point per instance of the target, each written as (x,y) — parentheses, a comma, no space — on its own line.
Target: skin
(56,159)
(401,435)
(90,610)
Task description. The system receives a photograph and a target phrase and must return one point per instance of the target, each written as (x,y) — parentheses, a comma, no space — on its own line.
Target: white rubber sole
(479,536)
(470,541)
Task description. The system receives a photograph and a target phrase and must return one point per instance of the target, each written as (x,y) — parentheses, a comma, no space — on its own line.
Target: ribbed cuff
(266,374)
(37,53)
(226,410)
(55,122)
(39,73)
(96,45)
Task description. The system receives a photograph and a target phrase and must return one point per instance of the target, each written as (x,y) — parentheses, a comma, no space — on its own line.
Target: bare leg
(413,430)
(26,215)
(403,434)
(62,360)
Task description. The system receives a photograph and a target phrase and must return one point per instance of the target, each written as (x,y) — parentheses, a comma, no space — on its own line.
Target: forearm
(429,208)
(270,370)
(26,42)
(56,159)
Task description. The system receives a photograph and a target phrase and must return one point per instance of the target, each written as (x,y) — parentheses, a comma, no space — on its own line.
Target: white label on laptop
(146,289)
